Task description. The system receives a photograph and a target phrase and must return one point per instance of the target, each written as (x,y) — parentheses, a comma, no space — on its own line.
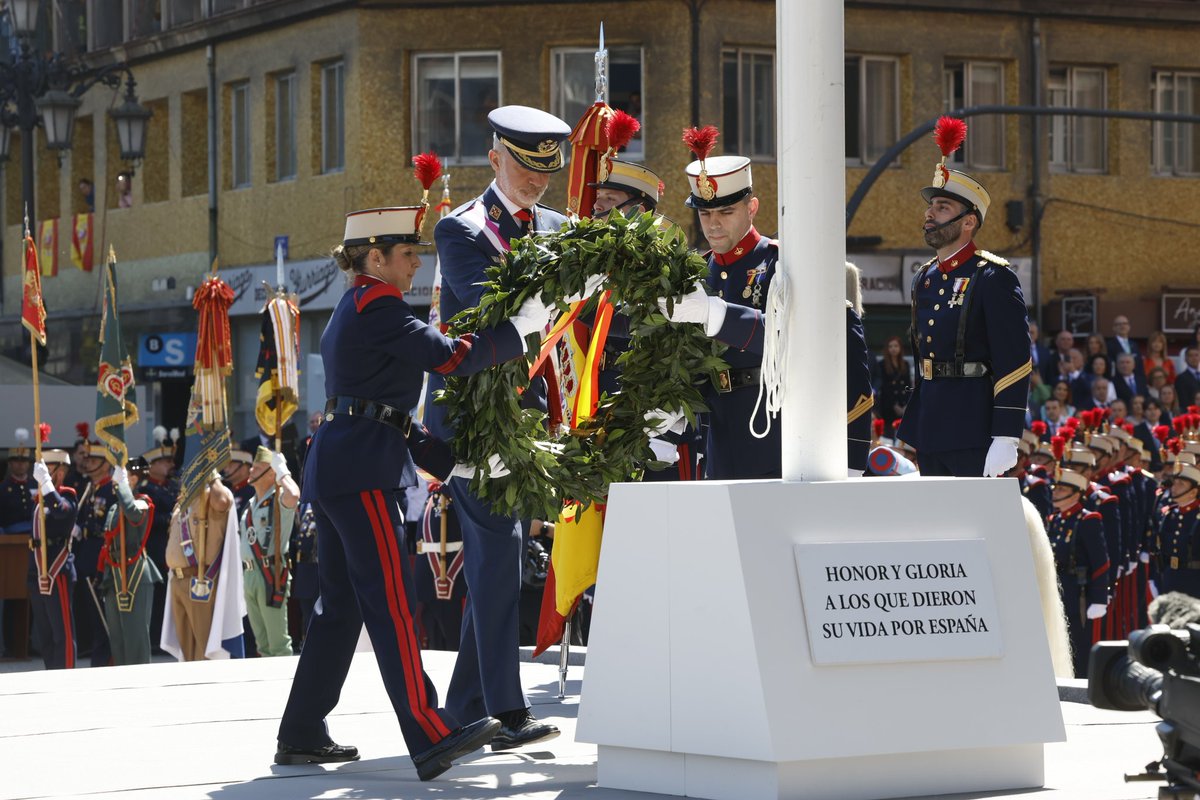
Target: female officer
(375,353)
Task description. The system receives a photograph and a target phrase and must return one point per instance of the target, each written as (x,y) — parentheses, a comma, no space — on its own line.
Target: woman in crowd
(895,383)
(1168,400)
(1097,367)
(1095,347)
(1062,393)
(1155,381)
(1157,358)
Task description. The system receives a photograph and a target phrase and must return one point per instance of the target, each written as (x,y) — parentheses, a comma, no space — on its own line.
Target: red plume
(1073,422)
(620,128)
(1039,428)
(1162,432)
(701,140)
(1175,446)
(1193,409)
(428,168)
(1128,426)
(877,427)
(44,432)
(949,134)
(1119,422)
(1177,424)
(662,189)
(1058,446)
(895,424)
(81,428)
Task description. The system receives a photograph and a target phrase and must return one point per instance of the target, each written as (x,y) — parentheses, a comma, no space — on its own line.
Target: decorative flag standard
(435,298)
(33,317)
(207,431)
(81,242)
(48,246)
(115,411)
(277,371)
(588,141)
(33,308)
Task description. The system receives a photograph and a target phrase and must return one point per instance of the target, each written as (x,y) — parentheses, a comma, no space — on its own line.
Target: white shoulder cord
(774,360)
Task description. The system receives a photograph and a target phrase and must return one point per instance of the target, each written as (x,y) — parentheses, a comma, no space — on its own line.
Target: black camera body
(1158,669)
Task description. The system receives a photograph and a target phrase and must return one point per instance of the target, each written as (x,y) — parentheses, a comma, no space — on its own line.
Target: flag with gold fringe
(33,307)
(115,410)
(208,444)
(277,369)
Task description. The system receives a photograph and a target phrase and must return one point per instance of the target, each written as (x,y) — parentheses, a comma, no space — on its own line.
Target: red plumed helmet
(1058,446)
(949,134)
(701,140)
(44,432)
(427,168)
(620,129)
(1039,428)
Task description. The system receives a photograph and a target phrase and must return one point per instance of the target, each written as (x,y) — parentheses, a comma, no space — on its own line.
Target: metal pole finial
(601,70)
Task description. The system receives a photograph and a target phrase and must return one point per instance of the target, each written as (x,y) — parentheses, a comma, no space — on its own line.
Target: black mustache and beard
(938,237)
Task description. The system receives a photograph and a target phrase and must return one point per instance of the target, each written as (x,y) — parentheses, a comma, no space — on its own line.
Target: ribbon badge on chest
(959,290)
(753,290)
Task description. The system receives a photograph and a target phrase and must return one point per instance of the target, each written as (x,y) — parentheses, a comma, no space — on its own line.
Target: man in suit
(526,151)
(1060,354)
(1187,383)
(1120,342)
(1129,381)
(1039,354)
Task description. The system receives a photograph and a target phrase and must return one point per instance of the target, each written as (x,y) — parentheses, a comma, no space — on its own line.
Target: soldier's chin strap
(774,359)
(950,221)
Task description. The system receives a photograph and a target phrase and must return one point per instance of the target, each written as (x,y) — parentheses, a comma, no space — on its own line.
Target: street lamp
(44,90)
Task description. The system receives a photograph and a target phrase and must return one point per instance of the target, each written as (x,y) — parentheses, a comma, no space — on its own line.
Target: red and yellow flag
(48,246)
(81,242)
(33,309)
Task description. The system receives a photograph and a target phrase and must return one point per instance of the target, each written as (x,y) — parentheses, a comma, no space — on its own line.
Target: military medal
(757,300)
(959,290)
(746,292)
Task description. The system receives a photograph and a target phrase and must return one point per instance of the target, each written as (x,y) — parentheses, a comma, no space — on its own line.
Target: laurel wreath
(664,367)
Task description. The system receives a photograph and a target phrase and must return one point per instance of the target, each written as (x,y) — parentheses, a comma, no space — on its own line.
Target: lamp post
(44,90)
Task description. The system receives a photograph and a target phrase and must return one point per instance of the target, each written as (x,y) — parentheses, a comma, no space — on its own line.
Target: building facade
(273,118)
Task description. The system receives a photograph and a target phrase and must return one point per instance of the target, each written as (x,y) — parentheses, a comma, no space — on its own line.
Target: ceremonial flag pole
(435,298)
(114,410)
(33,318)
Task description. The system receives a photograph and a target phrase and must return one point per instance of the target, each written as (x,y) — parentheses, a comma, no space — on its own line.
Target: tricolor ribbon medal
(960,289)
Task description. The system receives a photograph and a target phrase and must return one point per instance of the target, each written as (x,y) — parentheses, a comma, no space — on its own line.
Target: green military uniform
(128,616)
(266,605)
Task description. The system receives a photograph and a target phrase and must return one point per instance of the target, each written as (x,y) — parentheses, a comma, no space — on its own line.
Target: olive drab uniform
(52,604)
(128,602)
(266,587)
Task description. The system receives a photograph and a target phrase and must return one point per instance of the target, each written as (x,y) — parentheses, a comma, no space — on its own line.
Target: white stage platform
(207,730)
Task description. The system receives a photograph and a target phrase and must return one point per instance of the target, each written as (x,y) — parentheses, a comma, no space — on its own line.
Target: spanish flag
(81,242)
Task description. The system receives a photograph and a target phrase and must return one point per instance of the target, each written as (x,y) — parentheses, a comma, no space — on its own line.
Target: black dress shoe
(286,754)
(519,728)
(468,738)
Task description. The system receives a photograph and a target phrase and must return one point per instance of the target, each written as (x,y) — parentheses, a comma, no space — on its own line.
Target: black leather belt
(730,379)
(380,412)
(931,369)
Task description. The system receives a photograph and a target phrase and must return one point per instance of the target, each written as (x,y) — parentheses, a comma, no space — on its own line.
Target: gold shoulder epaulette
(992,257)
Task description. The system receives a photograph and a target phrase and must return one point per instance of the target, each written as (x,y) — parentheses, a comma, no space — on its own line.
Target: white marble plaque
(876,602)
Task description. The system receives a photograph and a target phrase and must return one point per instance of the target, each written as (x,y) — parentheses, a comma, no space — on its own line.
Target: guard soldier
(741,265)
(1034,485)
(163,492)
(1077,540)
(199,569)
(264,543)
(50,600)
(128,575)
(17,490)
(970,335)
(77,476)
(526,151)
(237,478)
(439,566)
(1177,545)
(98,496)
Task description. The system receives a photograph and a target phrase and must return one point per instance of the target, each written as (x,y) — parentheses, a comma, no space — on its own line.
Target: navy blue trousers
(53,617)
(365,579)
(487,677)
(955,463)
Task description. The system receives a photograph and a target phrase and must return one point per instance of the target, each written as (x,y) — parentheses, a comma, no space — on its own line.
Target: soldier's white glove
(41,474)
(120,477)
(279,464)
(1096,610)
(494,468)
(1132,568)
(853,473)
(1153,588)
(664,451)
(659,422)
(1001,456)
(590,287)
(531,317)
(697,306)
(1144,557)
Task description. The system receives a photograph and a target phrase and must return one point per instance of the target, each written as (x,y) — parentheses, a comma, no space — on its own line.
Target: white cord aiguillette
(774,360)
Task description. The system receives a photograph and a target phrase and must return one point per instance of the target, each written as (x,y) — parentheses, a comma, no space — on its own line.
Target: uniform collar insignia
(746,245)
(959,258)
(495,211)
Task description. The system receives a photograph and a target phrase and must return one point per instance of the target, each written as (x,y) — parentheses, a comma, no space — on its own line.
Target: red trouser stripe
(390,568)
(64,606)
(414,649)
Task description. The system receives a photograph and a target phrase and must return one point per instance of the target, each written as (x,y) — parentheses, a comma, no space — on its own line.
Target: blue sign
(166,350)
(280,241)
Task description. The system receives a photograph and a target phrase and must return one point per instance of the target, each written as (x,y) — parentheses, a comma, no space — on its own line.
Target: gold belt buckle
(1174,562)
(927,368)
(724,381)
